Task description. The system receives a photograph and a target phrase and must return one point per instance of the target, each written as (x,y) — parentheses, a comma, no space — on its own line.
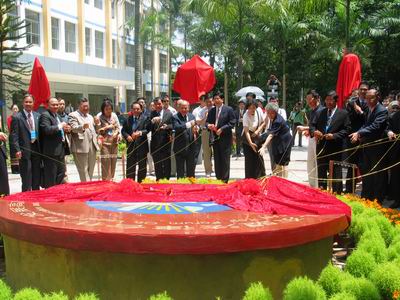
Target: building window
(147,59)
(113,9)
(98,4)
(13,14)
(99,44)
(114,52)
(87,2)
(130,55)
(88,40)
(70,38)
(32,20)
(129,10)
(163,63)
(55,33)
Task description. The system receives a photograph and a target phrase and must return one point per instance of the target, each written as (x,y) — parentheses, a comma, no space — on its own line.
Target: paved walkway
(297,169)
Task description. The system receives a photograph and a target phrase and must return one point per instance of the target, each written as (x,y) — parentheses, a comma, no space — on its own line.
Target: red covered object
(39,86)
(349,77)
(274,196)
(193,79)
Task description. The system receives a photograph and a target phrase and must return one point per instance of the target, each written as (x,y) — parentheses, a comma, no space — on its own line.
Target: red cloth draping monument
(39,86)
(349,77)
(271,196)
(193,79)
(128,217)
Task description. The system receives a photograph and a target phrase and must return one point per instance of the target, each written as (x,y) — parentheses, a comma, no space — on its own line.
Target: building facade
(87,50)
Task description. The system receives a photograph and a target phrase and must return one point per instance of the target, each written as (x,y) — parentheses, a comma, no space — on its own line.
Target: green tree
(12,30)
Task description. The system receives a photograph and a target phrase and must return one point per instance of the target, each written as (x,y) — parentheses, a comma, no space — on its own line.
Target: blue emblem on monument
(159,208)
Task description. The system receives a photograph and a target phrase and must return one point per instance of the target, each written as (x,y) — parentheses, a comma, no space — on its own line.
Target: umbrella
(249,89)
(39,86)
(349,77)
(261,98)
(193,79)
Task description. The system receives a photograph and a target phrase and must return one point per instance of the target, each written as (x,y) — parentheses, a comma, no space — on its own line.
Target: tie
(30,123)
(217,116)
(134,124)
(329,113)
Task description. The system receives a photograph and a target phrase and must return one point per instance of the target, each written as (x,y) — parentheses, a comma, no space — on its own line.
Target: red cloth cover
(349,77)
(271,196)
(39,86)
(193,79)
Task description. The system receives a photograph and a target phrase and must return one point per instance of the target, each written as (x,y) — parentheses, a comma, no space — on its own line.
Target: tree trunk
(284,81)
(226,78)
(240,49)
(170,55)
(348,25)
(138,52)
(212,59)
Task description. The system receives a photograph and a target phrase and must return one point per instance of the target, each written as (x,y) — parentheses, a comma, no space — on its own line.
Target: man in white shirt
(205,135)
(196,112)
(281,111)
(166,106)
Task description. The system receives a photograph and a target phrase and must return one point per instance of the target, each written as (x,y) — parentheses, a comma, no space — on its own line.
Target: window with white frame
(129,55)
(147,59)
(55,33)
(88,40)
(113,9)
(87,1)
(32,21)
(70,37)
(13,14)
(99,44)
(163,63)
(98,4)
(129,10)
(114,52)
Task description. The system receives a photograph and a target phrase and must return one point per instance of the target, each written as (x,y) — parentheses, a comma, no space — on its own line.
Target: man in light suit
(186,134)
(84,140)
(24,142)
(220,121)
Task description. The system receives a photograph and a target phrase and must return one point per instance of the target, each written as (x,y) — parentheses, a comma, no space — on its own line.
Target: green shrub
(356,208)
(330,279)
(86,296)
(372,242)
(161,296)
(386,277)
(28,294)
(56,296)
(396,234)
(361,288)
(5,291)
(256,291)
(360,263)
(394,251)
(386,228)
(343,296)
(302,288)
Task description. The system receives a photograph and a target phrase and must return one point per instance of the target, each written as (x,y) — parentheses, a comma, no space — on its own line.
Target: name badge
(33,135)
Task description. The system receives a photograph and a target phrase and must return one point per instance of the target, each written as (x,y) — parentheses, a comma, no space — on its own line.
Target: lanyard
(329,121)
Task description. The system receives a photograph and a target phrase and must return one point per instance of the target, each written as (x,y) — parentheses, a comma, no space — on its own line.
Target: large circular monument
(130,241)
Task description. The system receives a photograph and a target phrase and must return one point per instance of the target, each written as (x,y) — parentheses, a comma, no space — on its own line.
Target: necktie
(30,123)
(217,117)
(134,124)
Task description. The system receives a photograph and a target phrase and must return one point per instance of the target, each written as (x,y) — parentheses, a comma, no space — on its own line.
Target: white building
(87,51)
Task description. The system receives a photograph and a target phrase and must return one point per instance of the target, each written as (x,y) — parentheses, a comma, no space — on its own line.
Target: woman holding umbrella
(280,139)
(253,125)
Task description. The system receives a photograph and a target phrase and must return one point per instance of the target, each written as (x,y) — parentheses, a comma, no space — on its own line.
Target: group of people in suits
(362,134)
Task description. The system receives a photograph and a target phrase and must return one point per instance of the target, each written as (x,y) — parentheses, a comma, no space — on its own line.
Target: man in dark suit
(393,133)
(4,186)
(186,133)
(53,144)
(357,109)
(220,121)
(160,146)
(135,132)
(24,142)
(329,129)
(374,185)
